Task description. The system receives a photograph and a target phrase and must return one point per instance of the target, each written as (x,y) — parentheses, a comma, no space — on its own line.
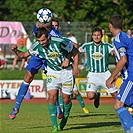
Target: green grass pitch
(34,118)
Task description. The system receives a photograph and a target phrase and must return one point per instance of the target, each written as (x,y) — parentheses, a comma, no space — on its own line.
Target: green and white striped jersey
(55,53)
(97,56)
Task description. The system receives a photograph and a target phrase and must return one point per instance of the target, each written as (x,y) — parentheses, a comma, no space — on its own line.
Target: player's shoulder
(35,45)
(120,36)
(106,43)
(122,33)
(87,44)
(58,39)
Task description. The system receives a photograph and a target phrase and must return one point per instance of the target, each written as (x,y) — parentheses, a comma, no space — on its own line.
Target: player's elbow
(124,59)
(24,55)
(75,52)
(75,44)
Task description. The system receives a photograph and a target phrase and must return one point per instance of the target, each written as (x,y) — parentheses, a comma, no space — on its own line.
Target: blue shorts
(35,63)
(125,93)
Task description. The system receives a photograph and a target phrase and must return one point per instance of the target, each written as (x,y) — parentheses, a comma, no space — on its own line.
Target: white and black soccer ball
(44,15)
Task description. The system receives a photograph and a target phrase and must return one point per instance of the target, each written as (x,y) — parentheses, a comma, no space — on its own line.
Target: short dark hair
(40,32)
(55,20)
(116,20)
(97,29)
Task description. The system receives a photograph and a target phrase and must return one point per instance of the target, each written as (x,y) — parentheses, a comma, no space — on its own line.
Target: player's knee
(118,105)
(66,99)
(51,99)
(76,93)
(115,107)
(90,95)
(114,94)
(28,77)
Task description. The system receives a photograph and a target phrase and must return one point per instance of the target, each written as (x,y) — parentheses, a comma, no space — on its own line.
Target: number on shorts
(49,80)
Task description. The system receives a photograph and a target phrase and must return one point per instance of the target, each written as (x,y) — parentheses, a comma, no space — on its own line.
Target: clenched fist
(14,47)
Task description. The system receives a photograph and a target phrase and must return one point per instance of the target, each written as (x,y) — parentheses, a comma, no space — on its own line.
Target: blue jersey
(124,46)
(52,32)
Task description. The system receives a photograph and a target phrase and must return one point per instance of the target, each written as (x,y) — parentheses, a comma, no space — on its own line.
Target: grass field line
(109,131)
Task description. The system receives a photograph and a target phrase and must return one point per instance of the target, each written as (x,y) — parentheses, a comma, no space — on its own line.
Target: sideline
(103,100)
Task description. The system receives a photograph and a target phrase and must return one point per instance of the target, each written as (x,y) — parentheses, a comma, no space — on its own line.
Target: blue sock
(21,93)
(58,107)
(125,118)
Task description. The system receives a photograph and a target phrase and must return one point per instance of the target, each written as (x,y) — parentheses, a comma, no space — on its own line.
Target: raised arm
(19,53)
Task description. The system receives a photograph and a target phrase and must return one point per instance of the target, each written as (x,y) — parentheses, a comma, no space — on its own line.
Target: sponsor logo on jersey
(53,55)
(97,56)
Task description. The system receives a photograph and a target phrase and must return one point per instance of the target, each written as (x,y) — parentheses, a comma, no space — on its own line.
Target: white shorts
(96,80)
(60,79)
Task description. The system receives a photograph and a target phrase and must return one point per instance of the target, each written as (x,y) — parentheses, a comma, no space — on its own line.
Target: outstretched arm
(121,63)
(19,53)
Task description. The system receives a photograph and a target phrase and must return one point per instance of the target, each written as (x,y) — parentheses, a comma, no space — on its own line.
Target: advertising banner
(10,88)
(10,31)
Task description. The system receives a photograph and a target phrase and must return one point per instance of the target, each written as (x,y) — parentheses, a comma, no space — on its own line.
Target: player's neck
(116,31)
(97,43)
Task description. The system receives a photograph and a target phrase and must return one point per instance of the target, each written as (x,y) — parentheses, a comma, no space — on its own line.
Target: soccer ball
(44,15)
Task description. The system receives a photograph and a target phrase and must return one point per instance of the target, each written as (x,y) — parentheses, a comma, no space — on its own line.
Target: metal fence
(78,29)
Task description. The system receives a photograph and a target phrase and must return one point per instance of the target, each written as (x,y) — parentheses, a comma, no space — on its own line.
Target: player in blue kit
(124,55)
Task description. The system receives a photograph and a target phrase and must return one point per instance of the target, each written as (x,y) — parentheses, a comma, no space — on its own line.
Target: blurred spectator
(3,60)
(71,37)
(21,43)
(84,66)
(105,38)
(129,32)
